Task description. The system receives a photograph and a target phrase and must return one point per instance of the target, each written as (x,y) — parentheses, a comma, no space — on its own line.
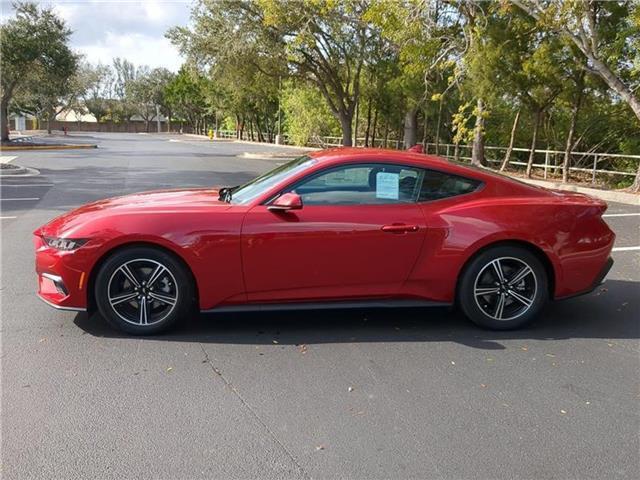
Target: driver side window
(363,184)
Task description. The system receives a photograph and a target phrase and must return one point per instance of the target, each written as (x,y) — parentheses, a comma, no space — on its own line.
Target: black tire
(503,304)
(164,301)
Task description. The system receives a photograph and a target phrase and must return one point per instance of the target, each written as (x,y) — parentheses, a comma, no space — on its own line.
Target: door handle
(400,228)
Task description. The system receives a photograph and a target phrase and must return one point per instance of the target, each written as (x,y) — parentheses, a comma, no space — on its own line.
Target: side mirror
(285,202)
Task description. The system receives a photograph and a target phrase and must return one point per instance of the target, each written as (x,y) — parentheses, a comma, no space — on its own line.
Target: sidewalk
(608,195)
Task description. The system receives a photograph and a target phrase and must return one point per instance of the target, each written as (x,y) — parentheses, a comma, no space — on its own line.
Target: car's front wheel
(503,288)
(143,290)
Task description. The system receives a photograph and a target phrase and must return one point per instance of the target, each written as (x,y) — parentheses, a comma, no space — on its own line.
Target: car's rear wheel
(503,288)
(143,290)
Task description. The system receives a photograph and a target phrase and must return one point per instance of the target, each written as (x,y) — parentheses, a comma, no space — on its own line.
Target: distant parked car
(337,228)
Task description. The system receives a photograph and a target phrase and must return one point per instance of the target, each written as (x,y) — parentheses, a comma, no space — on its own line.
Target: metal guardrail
(551,163)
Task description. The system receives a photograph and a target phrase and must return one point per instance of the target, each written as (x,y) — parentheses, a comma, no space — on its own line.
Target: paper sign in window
(387,185)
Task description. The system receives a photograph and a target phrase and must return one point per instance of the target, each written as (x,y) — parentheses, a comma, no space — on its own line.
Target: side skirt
(268,307)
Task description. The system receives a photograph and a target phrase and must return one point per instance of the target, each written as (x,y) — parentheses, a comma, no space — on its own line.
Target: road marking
(6,159)
(2,185)
(625,249)
(18,199)
(6,218)
(622,215)
(176,141)
(26,185)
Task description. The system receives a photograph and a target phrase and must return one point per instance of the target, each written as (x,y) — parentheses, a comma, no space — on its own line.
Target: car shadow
(611,312)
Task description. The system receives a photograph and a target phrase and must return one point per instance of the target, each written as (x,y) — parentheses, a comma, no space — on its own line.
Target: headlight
(66,244)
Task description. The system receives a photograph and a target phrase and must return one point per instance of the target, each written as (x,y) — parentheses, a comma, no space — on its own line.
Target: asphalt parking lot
(375,394)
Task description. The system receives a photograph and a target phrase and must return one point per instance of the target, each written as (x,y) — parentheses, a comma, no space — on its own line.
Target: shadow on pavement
(612,312)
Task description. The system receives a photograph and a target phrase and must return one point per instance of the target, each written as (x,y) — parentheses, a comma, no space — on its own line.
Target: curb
(269,156)
(19,172)
(611,196)
(45,147)
(266,144)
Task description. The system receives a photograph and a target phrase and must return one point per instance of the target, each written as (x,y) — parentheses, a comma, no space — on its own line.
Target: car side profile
(335,228)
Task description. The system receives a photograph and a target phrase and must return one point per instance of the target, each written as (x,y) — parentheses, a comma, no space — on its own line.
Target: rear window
(437,185)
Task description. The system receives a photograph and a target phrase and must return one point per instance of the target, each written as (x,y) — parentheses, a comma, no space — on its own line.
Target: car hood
(158,201)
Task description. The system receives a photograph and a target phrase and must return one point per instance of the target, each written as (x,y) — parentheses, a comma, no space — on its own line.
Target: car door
(358,234)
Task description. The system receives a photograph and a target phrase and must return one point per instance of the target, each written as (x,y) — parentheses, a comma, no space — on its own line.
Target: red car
(337,228)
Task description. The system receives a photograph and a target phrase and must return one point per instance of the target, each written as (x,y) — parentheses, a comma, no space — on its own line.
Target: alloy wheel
(505,288)
(142,292)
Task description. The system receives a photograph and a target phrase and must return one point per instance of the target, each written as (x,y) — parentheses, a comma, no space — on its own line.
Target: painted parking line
(2,185)
(7,218)
(625,249)
(18,199)
(622,215)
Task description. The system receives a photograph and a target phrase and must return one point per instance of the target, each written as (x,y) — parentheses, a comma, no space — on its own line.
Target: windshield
(256,187)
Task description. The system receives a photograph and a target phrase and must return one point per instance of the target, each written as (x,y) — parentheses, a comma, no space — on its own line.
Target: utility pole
(158,118)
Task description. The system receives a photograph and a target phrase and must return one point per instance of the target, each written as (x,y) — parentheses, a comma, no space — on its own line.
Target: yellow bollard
(211,134)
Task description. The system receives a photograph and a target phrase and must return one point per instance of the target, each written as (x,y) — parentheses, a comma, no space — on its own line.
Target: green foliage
(34,51)
(307,116)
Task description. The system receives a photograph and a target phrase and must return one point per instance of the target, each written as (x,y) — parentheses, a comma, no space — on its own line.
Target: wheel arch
(91,280)
(534,249)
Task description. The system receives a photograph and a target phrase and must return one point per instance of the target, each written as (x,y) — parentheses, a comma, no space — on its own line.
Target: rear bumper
(599,280)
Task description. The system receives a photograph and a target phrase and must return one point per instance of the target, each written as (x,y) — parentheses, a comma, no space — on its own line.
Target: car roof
(375,154)
(350,154)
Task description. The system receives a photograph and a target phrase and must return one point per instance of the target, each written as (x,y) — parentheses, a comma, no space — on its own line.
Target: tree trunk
(616,84)
(386,134)
(424,131)
(355,125)
(507,155)
(438,128)
(169,121)
(410,127)
(375,126)
(566,164)
(368,130)
(636,184)
(533,141)
(345,123)
(477,151)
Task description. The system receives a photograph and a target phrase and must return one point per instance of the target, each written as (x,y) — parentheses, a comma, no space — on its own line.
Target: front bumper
(61,278)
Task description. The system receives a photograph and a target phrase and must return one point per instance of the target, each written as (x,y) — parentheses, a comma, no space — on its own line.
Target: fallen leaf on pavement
(319,447)
(169,369)
(563,411)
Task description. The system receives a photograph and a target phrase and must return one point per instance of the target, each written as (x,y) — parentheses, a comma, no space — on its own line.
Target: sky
(131,29)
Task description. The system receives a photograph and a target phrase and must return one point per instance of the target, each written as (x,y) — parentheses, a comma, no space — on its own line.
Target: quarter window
(437,185)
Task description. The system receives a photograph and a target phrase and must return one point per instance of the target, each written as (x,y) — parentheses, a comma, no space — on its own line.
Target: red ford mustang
(343,227)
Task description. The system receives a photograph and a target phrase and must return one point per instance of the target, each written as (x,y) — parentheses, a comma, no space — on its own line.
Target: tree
(47,96)
(125,74)
(98,80)
(306,115)
(186,96)
(34,41)
(323,43)
(606,33)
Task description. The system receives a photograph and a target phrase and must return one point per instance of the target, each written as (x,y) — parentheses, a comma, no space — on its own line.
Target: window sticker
(387,185)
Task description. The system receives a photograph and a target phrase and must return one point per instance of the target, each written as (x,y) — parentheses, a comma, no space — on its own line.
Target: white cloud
(136,47)
(131,29)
